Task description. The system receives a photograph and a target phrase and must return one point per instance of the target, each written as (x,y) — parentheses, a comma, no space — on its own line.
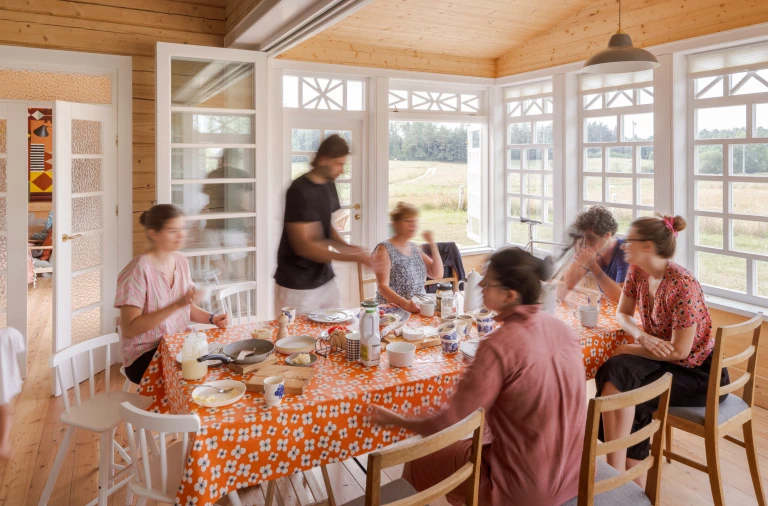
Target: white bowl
(401,354)
(410,334)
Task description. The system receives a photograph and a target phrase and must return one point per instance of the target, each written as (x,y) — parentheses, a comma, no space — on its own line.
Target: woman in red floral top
(674,334)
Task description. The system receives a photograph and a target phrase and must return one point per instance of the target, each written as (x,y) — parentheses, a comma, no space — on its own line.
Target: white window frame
(164,53)
(548,166)
(324,84)
(728,86)
(604,94)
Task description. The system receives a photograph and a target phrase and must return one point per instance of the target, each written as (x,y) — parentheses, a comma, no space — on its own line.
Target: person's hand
(193,296)
(586,257)
(221,320)
(410,305)
(656,346)
(362,257)
(383,416)
(428,237)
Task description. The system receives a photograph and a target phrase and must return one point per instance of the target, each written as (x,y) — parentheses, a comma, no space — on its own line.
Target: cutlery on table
(219,390)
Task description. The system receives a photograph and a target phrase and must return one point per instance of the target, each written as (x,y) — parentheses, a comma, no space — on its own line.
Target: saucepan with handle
(261,350)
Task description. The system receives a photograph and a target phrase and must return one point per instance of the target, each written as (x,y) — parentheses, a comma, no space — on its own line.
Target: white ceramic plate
(210,398)
(469,348)
(296,344)
(331,315)
(211,347)
(312,360)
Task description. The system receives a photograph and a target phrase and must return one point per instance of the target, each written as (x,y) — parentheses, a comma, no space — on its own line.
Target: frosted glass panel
(3,175)
(86,213)
(86,289)
(86,251)
(3,291)
(3,214)
(3,135)
(86,325)
(86,175)
(19,84)
(86,137)
(3,252)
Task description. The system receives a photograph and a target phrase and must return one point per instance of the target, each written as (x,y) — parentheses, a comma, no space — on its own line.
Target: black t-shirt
(305,202)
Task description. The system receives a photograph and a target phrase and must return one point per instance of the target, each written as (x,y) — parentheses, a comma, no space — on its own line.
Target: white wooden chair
(230,298)
(97,414)
(157,472)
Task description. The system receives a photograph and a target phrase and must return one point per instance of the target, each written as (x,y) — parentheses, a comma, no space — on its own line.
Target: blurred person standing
(309,243)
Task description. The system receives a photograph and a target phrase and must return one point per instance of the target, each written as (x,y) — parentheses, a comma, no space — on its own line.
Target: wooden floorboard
(37,435)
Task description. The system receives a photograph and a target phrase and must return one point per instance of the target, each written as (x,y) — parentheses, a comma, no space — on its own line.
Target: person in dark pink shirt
(674,335)
(529,377)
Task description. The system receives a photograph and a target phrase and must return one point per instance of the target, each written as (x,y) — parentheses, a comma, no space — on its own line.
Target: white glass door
(475,182)
(211,161)
(84,226)
(14,189)
(305,135)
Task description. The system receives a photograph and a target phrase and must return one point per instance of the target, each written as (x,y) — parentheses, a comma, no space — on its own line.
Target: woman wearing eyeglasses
(674,334)
(599,253)
(529,377)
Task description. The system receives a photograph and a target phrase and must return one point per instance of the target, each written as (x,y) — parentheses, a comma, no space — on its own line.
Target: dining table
(247,443)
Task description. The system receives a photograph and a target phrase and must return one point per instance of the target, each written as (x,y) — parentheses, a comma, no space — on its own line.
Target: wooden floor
(37,434)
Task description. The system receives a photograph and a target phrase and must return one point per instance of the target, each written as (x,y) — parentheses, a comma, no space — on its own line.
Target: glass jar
(442,288)
(195,346)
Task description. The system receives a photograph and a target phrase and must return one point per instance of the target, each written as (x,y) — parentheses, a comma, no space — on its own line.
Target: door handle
(357,216)
(65,237)
(356,206)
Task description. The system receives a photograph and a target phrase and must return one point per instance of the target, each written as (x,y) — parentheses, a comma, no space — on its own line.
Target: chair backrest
(361,281)
(419,448)
(230,299)
(72,353)
(723,338)
(141,427)
(588,488)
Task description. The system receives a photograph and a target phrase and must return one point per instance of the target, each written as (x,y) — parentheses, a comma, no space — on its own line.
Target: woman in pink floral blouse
(674,334)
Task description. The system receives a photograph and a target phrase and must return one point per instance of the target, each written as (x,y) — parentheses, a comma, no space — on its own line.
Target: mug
(448,307)
(427,308)
(352,347)
(461,328)
(549,298)
(449,338)
(484,319)
(593,299)
(587,315)
(274,390)
(290,313)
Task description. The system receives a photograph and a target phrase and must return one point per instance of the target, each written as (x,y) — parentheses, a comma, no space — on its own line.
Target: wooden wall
(237,9)
(322,49)
(126,28)
(649,22)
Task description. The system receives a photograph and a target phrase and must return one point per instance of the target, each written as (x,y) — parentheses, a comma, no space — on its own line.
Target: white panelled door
(85,226)
(305,135)
(474,182)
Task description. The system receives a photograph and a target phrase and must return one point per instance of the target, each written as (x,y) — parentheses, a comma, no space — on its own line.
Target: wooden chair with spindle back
(402,491)
(230,300)
(717,419)
(614,487)
(454,280)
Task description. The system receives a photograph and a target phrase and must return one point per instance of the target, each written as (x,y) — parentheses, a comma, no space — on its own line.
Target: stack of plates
(331,315)
(468,349)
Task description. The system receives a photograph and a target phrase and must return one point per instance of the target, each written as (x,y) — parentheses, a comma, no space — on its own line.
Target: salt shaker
(282,326)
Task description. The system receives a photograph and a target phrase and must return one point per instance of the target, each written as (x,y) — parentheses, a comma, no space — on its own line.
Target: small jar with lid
(195,346)
(442,288)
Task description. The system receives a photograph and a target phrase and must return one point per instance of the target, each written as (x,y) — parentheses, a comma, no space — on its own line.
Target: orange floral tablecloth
(246,443)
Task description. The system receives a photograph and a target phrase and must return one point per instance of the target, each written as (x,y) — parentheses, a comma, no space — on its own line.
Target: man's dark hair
(334,146)
(597,219)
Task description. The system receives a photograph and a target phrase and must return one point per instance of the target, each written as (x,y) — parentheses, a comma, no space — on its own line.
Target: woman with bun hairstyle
(674,334)
(529,377)
(155,293)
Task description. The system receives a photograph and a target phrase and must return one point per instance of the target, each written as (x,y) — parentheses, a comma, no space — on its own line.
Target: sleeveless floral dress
(408,273)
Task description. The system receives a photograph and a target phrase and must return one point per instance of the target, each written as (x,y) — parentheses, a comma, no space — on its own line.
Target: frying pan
(262,349)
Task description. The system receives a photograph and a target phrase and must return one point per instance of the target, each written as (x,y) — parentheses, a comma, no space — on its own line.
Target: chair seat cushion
(730,407)
(391,492)
(102,412)
(629,494)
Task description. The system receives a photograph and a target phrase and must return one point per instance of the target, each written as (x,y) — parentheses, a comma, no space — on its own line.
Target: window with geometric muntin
(434,101)
(323,93)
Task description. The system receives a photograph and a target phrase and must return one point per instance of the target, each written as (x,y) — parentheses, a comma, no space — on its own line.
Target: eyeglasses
(484,284)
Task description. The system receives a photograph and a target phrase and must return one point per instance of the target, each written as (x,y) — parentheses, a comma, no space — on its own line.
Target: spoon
(219,390)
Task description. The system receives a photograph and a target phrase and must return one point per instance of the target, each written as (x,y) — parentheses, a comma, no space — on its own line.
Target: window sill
(735,307)
(475,250)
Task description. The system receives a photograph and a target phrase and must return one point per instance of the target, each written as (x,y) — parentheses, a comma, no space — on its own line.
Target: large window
(617,155)
(729,170)
(438,168)
(529,161)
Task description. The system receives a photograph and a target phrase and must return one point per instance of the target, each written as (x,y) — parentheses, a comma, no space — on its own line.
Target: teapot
(473,292)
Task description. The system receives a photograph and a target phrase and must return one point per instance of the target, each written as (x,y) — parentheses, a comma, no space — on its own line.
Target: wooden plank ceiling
(495,38)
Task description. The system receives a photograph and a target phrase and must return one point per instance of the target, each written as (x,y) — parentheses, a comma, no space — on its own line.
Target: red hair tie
(669,221)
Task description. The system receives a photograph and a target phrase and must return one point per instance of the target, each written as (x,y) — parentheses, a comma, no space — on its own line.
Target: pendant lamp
(620,56)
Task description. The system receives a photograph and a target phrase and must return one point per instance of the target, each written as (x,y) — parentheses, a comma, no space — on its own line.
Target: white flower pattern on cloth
(407,274)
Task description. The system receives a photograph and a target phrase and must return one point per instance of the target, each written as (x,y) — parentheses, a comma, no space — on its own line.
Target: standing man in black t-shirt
(304,277)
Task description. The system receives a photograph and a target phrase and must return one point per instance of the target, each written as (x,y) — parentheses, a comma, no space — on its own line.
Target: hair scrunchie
(669,222)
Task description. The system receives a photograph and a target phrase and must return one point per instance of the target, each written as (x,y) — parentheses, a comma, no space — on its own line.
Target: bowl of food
(301,359)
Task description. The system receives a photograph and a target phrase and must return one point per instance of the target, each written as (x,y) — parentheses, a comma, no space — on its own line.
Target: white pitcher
(473,292)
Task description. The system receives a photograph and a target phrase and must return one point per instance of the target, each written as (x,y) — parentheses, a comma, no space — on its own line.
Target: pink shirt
(529,376)
(679,304)
(140,284)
